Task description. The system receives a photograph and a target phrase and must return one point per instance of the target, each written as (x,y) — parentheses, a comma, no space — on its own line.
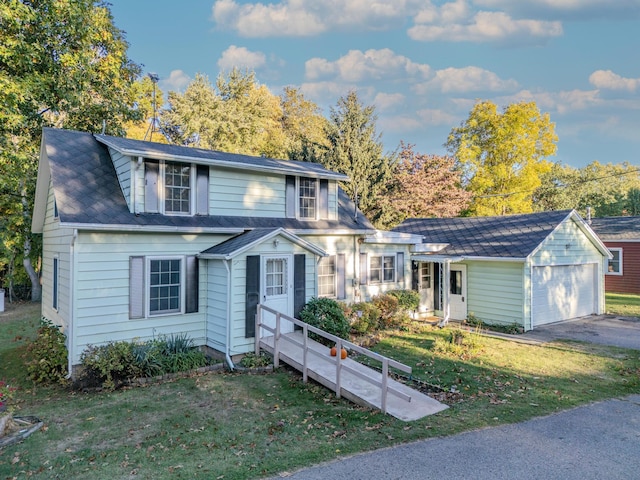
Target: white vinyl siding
(495,291)
(217,304)
(246,194)
(122,164)
(56,242)
(102,287)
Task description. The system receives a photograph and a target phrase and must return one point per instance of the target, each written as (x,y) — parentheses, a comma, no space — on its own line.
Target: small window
(56,275)
(307,197)
(327,277)
(276,276)
(177,188)
(456,282)
(425,275)
(382,269)
(615,264)
(164,286)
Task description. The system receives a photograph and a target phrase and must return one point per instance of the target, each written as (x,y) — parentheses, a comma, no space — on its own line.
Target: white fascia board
(384,237)
(428,247)
(222,163)
(325,232)
(460,258)
(148,228)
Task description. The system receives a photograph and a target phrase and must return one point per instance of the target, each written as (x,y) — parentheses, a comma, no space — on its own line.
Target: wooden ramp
(348,378)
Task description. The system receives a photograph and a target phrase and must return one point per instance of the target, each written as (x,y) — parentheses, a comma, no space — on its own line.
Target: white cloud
(177,81)
(467,79)
(388,101)
(241,57)
(607,80)
(370,65)
(567,9)
(435,117)
(499,27)
(302,18)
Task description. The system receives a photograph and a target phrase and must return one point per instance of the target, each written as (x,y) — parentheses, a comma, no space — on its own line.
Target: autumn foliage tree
(421,185)
(503,155)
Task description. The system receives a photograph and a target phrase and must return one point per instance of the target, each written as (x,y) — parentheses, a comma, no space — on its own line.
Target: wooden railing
(340,343)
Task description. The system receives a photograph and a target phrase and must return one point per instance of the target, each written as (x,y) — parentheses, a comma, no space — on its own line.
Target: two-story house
(143,239)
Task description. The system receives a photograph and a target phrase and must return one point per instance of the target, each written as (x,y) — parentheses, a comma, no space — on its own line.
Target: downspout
(227,355)
(70,332)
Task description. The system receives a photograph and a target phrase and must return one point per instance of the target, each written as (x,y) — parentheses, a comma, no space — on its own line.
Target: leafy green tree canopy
(503,155)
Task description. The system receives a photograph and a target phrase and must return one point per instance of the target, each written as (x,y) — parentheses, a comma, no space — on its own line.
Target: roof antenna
(104,126)
(588,215)
(154,79)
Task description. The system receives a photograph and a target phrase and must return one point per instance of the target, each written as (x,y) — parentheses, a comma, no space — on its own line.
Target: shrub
(6,395)
(367,321)
(325,314)
(109,365)
(460,343)
(388,307)
(179,354)
(408,300)
(47,355)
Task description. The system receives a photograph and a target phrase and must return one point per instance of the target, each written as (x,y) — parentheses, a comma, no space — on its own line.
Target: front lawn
(237,426)
(623,304)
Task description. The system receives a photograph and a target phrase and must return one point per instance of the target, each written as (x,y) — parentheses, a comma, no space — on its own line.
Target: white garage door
(563,292)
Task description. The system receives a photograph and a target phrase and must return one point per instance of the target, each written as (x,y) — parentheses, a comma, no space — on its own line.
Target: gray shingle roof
(238,242)
(87,192)
(510,236)
(128,146)
(617,228)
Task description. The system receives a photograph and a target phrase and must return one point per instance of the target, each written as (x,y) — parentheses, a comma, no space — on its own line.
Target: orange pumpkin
(343,352)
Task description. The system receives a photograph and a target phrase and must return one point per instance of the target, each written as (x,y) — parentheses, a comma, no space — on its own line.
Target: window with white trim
(614,266)
(307,197)
(177,188)
(276,277)
(327,277)
(165,286)
(382,269)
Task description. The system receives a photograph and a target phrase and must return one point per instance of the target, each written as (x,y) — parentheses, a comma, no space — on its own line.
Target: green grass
(623,304)
(237,426)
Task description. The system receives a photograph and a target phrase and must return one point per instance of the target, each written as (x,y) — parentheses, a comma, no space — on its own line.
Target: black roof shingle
(616,228)
(509,236)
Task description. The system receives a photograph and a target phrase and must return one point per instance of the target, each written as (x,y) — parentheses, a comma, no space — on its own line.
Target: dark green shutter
(299,284)
(151,198)
(324,199)
(364,268)
(202,190)
(191,285)
(252,297)
(400,267)
(136,287)
(415,272)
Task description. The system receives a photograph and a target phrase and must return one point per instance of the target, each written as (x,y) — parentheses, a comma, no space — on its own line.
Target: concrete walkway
(363,391)
(594,442)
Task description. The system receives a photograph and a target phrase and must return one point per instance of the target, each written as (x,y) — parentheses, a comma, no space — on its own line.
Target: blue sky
(422,63)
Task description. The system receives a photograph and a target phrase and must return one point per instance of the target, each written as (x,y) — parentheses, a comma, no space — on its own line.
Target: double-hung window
(308,197)
(382,269)
(176,188)
(163,285)
(327,277)
(615,264)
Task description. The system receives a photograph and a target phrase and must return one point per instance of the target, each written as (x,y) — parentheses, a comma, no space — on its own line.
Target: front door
(458,292)
(425,286)
(277,290)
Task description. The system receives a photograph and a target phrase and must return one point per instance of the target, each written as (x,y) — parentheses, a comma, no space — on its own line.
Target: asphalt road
(598,441)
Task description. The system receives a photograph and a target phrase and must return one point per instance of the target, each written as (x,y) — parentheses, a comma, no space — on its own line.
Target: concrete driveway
(600,329)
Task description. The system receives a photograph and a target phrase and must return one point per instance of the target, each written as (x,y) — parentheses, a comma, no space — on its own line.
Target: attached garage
(563,292)
(528,270)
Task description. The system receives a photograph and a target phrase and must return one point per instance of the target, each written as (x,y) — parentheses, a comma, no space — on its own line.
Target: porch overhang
(438,258)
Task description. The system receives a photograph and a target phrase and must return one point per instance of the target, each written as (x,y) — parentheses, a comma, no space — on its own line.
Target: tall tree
(503,155)
(356,150)
(607,189)
(420,186)
(304,126)
(63,63)
(238,115)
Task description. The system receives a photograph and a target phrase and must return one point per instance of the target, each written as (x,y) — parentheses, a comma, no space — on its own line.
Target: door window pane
(456,282)
(275,276)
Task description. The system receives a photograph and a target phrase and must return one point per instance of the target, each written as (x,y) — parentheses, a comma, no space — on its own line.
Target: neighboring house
(143,239)
(528,270)
(621,235)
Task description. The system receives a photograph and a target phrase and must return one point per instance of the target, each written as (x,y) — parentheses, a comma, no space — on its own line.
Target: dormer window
(175,188)
(308,194)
